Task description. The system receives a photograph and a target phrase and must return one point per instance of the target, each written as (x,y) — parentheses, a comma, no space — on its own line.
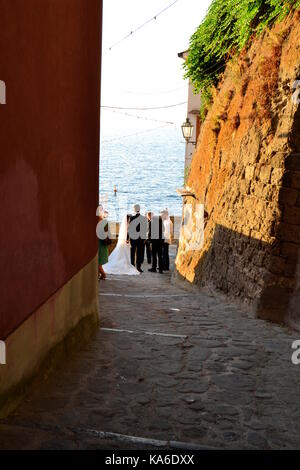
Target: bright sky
(144,70)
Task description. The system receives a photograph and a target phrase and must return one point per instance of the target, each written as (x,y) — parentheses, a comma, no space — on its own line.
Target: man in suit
(156,237)
(168,238)
(137,233)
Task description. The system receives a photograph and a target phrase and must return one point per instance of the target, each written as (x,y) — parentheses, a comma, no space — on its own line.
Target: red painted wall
(50,54)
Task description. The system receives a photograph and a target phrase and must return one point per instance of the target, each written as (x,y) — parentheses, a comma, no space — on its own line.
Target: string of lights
(153,18)
(134,135)
(144,109)
(140,117)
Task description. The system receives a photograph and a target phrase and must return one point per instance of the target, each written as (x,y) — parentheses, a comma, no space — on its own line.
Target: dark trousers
(148,252)
(157,247)
(137,253)
(166,257)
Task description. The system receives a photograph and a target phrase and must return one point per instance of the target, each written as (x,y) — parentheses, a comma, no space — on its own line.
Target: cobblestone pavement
(167,365)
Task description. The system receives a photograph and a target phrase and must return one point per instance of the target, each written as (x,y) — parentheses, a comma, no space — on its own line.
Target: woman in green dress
(102,249)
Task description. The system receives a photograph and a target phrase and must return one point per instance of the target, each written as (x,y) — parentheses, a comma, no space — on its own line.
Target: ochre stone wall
(246,172)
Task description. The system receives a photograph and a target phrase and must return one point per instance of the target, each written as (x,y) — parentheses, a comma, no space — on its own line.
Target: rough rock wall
(246,172)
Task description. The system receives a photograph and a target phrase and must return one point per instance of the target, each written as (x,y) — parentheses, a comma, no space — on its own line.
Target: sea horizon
(146,167)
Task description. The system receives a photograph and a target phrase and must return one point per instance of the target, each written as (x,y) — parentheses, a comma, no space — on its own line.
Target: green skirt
(102,253)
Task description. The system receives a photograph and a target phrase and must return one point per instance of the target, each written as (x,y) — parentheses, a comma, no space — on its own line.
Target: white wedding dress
(119,260)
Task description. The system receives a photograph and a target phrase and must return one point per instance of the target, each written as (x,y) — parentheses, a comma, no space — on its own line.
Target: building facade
(193,109)
(50,59)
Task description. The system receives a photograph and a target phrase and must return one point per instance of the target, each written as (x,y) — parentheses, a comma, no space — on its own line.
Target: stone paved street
(167,364)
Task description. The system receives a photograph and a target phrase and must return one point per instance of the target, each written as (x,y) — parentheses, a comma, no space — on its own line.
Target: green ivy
(226,29)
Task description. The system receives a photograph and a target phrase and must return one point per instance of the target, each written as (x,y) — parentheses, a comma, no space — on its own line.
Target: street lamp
(187,131)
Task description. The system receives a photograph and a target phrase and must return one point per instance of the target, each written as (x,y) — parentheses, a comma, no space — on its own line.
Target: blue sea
(146,167)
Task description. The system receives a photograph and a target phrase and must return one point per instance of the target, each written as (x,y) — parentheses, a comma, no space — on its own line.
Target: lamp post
(187,131)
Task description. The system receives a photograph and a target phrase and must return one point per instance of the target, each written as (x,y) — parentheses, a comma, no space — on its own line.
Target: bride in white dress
(119,260)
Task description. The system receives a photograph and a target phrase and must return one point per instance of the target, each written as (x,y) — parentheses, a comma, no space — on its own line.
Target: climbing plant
(226,29)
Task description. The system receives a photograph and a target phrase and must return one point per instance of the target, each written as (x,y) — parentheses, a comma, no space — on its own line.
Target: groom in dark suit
(156,238)
(137,234)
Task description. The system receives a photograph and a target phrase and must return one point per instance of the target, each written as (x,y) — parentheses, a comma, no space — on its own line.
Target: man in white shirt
(168,237)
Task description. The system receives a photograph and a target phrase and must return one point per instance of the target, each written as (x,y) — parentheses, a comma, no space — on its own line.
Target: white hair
(99,210)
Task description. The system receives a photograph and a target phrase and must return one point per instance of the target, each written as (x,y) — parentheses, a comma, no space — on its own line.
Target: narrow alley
(168,368)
